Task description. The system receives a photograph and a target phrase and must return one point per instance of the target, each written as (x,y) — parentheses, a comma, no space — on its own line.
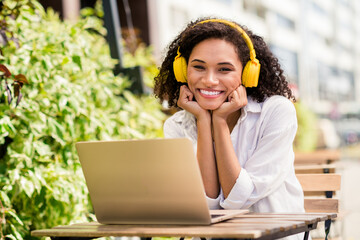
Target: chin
(210,107)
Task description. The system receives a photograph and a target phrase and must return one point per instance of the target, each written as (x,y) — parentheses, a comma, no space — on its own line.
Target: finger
(242,88)
(234,95)
(240,91)
(185,89)
(242,94)
(189,94)
(186,94)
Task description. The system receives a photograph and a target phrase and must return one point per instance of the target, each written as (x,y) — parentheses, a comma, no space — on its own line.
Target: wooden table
(247,226)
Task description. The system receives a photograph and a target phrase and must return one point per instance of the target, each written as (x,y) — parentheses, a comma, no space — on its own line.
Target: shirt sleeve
(213,203)
(271,160)
(171,129)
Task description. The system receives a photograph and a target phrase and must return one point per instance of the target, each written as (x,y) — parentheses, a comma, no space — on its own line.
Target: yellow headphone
(251,71)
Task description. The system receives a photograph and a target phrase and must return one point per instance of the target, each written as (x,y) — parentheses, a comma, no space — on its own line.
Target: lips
(210,92)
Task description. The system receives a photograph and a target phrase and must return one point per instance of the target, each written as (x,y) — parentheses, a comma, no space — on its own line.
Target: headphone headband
(239,29)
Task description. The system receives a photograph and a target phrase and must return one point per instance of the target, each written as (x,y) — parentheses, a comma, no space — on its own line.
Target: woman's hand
(186,102)
(236,100)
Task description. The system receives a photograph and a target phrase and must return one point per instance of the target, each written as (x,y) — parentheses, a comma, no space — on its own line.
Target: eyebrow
(225,63)
(221,63)
(198,60)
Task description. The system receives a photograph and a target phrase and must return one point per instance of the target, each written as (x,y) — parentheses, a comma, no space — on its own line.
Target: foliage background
(307,135)
(72,96)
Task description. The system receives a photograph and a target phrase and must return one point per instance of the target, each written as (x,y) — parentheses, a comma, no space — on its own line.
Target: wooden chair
(316,168)
(319,190)
(321,156)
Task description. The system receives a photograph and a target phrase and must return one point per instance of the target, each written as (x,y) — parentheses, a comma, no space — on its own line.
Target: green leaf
(15,232)
(76,59)
(27,186)
(6,123)
(17,219)
(65,60)
(5,199)
(11,236)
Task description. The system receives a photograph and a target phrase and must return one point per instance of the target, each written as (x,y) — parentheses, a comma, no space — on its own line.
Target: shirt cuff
(213,203)
(240,192)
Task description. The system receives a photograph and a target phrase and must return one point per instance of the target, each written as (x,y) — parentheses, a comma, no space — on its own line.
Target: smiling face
(214,71)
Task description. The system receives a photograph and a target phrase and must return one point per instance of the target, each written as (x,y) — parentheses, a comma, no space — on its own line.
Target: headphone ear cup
(251,72)
(180,69)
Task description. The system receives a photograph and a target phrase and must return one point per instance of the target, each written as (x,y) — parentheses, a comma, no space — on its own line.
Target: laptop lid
(155,181)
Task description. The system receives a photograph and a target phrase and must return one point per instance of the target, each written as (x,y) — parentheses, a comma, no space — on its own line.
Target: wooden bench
(319,189)
(321,156)
(316,168)
(323,183)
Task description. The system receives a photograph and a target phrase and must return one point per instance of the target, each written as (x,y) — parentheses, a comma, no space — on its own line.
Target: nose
(210,79)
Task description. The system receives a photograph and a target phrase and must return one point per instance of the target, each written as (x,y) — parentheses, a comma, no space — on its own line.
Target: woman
(237,110)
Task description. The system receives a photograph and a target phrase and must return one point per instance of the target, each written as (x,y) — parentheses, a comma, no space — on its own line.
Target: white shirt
(262,139)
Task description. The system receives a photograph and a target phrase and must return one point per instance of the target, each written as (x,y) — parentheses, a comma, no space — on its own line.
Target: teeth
(210,93)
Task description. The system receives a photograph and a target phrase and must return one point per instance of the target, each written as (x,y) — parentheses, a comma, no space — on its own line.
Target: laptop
(155,181)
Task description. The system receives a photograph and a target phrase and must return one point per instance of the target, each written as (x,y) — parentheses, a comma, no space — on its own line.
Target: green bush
(72,96)
(306,139)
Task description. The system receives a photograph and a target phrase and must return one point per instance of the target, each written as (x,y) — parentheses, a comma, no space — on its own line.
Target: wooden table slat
(253,225)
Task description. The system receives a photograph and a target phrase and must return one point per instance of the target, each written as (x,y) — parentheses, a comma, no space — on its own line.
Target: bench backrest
(325,183)
(321,156)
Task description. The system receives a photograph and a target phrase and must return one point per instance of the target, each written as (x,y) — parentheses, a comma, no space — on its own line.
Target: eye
(199,67)
(225,69)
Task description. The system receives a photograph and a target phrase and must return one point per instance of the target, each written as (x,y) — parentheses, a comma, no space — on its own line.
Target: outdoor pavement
(350,197)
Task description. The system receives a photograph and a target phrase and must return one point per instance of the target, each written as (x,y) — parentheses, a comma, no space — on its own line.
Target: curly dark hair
(271,79)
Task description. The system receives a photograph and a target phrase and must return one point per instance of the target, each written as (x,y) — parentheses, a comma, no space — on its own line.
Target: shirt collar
(252,106)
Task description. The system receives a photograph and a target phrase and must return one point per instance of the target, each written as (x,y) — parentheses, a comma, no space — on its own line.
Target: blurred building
(315,40)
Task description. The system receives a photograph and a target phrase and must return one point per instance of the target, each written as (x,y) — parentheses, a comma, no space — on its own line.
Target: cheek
(191,87)
(234,83)
(191,82)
